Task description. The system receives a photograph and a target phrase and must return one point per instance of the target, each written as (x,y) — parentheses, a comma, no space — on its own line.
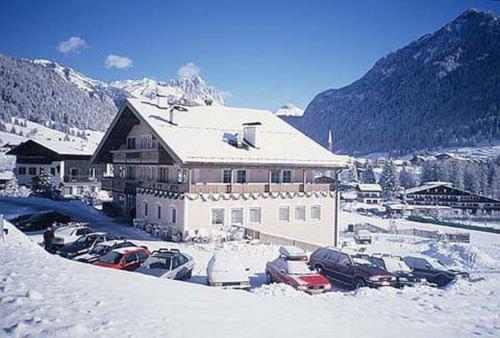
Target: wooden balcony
(258,187)
(136,156)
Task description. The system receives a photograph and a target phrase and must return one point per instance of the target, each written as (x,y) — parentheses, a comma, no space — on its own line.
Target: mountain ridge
(414,97)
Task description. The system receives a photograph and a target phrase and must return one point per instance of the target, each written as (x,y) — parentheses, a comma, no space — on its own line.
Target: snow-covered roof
(369,187)
(427,185)
(206,134)
(6,175)
(63,147)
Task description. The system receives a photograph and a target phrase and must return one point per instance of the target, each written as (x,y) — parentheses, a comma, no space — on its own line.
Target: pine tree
(407,179)
(471,179)
(457,174)
(389,181)
(369,175)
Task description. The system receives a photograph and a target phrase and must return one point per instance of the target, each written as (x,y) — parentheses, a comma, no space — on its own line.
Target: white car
(170,264)
(228,271)
(363,236)
(67,235)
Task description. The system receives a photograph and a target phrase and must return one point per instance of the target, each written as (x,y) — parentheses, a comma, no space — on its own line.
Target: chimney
(161,101)
(250,133)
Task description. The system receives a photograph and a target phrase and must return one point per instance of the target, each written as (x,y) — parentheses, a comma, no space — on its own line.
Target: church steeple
(330,141)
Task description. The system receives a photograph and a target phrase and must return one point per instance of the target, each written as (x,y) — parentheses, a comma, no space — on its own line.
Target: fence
(460,237)
(272,239)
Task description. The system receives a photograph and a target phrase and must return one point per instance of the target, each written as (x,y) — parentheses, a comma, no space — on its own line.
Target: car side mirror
(282,271)
(428,267)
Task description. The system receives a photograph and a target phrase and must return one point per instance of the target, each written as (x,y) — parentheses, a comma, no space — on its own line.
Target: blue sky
(266,53)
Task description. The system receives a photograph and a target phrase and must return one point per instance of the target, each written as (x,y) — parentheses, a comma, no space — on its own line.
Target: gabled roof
(369,187)
(206,135)
(427,185)
(58,147)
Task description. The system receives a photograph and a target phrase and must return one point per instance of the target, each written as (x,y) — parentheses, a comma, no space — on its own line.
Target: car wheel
(269,278)
(441,281)
(358,283)
(189,274)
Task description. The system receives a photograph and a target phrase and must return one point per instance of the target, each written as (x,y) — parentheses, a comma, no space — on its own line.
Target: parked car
(352,272)
(67,235)
(101,249)
(84,244)
(396,266)
(363,236)
(40,221)
(228,272)
(432,270)
(129,258)
(291,268)
(170,264)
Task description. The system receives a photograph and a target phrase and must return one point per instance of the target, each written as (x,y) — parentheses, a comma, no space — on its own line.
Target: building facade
(212,167)
(69,168)
(445,195)
(369,193)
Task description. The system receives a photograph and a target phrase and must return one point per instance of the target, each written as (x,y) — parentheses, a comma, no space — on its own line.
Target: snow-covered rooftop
(67,147)
(369,187)
(206,134)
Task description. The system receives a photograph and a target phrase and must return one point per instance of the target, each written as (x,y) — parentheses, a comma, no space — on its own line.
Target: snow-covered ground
(41,294)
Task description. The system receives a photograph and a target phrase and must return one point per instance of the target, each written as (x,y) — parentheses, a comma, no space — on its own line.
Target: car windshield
(436,264)
(364,261)
(99,249)
(395,264)
(111,257)
(82,239)
(298,268)
(155,262)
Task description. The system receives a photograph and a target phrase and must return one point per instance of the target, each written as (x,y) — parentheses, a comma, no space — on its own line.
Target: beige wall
(197,214)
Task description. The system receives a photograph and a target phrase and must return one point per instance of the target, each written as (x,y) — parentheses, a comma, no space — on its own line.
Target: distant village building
(369,193)
(68,167)
(212,167)
(445,195)
(5,177)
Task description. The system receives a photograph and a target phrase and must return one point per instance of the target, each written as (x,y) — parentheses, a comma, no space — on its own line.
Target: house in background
(443,194)
(5,177)
(368,193)
(211,167)
(68,166)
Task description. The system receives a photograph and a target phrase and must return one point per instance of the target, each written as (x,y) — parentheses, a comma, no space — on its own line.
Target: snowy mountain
(59,97)
(289,110)
(440,90)
(189,91)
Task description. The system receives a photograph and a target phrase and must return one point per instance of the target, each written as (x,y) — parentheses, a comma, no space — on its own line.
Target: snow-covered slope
(189,91)
(289,109)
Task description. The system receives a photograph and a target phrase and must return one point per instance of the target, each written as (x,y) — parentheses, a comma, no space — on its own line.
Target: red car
(291,268)
(129,258)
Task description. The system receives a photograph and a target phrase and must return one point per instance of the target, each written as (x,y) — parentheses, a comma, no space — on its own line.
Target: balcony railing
(78,178)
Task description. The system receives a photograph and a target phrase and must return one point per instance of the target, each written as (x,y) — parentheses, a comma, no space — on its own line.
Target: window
(241,176)
(146,211)
(275,176)
(53,171)
(142,256)
(300,213)
(173,215)
(163,175)
(22,170)
(58,169)
(226,176)
(158,212)
(32,171)
(181,176)
(316,212)
(237,216)
(284,214)
(131,143)
(217,216)
(343,260)
(287,176)
(255,215)
(130,172)
(73,172)
(42,170)
(80,190)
